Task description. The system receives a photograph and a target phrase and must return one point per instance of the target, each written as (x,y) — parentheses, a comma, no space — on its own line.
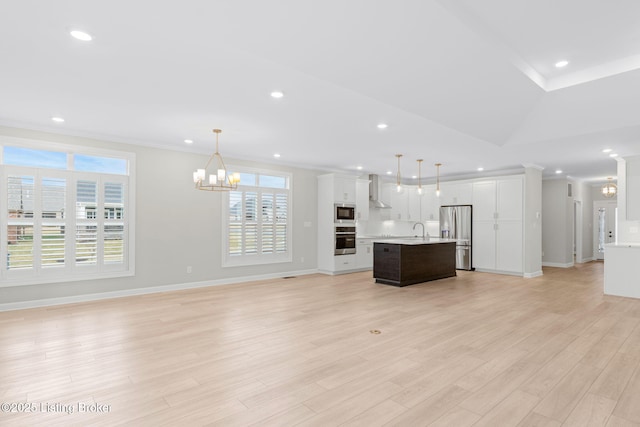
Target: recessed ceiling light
(188,141)
(277,94)
(389,172)
(414,177)
(558,171)
(480,169)
(81,35)
(359,168)
(277,155)
(613,155)
(562,64)
(57,119)
(382,125)
(607,150)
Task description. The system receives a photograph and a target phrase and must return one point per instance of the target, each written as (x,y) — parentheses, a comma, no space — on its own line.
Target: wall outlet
(189,269)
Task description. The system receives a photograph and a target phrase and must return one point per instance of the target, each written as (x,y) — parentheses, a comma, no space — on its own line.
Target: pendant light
(219,178)
(398,184)
(419,176)
(609,190)
(438,179)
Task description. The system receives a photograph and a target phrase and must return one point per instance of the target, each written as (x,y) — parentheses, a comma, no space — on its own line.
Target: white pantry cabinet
(497,224)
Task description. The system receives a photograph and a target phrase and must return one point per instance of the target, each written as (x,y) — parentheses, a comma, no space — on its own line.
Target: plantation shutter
(257,220)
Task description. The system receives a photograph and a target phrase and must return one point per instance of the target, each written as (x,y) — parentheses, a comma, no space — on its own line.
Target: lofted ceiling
(463,82)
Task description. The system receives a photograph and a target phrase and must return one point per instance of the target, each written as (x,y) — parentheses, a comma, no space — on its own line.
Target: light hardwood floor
(478,349)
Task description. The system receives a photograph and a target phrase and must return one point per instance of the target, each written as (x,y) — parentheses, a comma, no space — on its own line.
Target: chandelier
(219,178)
(609,189)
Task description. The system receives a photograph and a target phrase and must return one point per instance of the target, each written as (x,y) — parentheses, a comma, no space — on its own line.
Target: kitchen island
(402,262)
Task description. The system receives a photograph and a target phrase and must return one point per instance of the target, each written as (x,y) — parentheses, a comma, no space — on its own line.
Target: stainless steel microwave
(344,212)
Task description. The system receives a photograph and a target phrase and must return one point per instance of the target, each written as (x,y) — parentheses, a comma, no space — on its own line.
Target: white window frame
(257,259)
(71,271)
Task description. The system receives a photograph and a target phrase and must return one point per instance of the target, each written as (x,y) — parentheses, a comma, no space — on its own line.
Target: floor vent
(289,277)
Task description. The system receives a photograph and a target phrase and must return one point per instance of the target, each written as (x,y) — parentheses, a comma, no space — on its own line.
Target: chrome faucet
(419,223)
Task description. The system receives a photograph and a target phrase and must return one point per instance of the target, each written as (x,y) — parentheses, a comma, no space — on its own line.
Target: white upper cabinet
(414,208)
(430,203)
(455,193)
(362,199)
(399,202)
(344,189)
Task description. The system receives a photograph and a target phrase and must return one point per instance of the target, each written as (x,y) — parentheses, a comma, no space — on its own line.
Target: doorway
(604,225)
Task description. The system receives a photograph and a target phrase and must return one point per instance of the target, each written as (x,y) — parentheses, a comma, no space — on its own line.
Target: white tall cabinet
(332,189)
(498,224)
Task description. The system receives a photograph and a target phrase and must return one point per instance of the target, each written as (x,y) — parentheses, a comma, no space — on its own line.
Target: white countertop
(414,241)
(622,245)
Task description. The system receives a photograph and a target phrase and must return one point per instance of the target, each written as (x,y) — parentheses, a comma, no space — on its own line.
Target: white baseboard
(337,273)
(142,291)
(508,273)
(557,264)
(532,275)
(583,260)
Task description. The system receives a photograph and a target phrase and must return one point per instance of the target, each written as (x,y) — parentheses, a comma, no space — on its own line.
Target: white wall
(178,226)
(556,223)
(532,260)
(582,193)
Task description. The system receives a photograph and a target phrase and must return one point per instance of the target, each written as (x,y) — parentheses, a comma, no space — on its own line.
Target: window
(258,219)
(64,215)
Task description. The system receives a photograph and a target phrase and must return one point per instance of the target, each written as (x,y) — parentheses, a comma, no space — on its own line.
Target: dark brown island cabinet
(403,262)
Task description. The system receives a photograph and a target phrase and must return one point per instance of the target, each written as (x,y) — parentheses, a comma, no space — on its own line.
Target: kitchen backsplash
(395,228)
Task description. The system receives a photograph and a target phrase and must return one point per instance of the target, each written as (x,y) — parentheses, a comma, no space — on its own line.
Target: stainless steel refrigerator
(455,223)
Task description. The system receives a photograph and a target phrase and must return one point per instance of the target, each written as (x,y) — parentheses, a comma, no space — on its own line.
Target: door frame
(597,204)
(577,230)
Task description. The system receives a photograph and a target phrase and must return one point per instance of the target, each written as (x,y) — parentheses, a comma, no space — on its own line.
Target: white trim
(337,273)
(67,148)
(143,291)
(557,264)
(72,272)
(532,275)
(589,259)
(508,273)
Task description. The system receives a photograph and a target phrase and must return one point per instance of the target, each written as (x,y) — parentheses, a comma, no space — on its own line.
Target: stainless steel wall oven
(345,240)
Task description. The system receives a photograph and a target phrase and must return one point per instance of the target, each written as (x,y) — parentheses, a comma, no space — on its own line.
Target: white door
(604,225)
(484,245)
(484,201)
(509,246)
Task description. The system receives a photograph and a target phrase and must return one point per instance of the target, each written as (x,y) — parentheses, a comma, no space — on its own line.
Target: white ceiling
(463,82)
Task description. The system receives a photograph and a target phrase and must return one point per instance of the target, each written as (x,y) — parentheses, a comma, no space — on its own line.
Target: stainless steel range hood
(374,192)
